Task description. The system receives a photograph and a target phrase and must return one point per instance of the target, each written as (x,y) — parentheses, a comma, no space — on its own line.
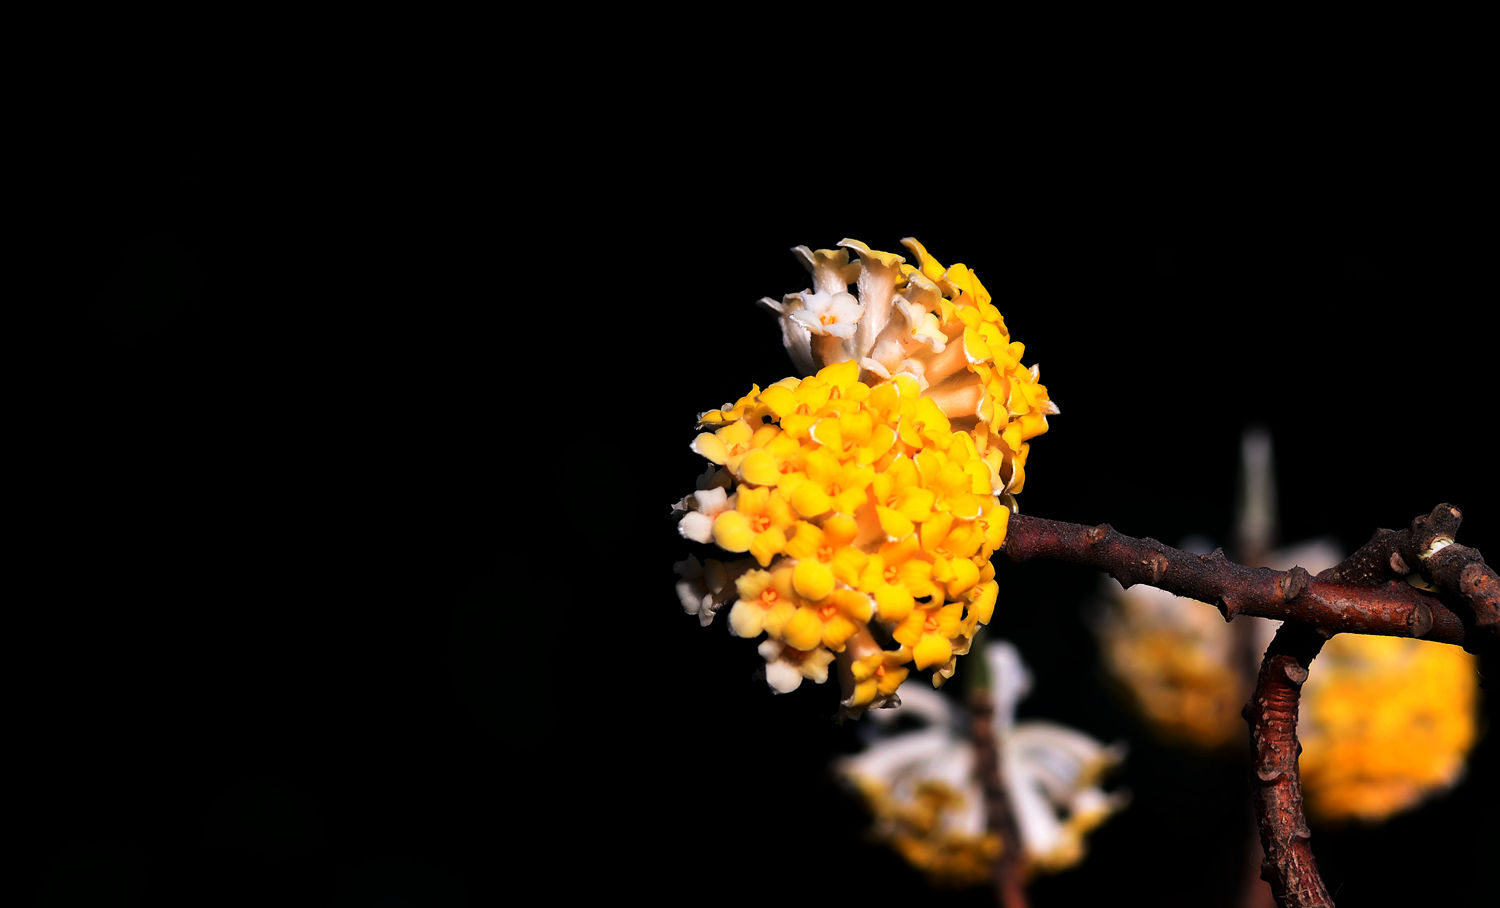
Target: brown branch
(1392,608)
(1007,868)
(1427,548)
(1289,865)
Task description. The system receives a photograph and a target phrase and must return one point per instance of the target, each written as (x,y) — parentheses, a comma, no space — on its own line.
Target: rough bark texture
(1427,549)
(1289,864)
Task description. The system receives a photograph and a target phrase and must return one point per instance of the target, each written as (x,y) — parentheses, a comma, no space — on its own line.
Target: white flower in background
(923,788)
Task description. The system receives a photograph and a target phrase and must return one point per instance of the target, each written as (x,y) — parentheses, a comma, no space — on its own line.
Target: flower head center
(856,484)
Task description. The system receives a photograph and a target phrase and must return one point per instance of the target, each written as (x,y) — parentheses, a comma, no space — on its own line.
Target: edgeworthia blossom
(859,503)
(923,790)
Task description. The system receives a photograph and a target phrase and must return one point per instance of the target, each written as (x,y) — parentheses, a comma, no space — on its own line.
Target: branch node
(1420,620)
(1095,535)
(1292,583)
(1399,567)
(1228,607)
(1437,545)
(1479,584)
(1443,521)
(1158,564)
(1472,578)
(1297,674)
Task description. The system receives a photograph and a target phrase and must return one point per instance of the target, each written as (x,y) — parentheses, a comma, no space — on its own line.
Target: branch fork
(1418,582)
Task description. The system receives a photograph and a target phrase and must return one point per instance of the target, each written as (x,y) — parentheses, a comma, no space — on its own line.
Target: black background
(357,458)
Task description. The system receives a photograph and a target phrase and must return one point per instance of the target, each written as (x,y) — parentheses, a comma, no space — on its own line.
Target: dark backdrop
(355,473)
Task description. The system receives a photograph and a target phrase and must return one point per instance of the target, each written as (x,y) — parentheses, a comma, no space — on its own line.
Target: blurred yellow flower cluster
(1385,722)
(867,496)
(1179,665)
(928,826)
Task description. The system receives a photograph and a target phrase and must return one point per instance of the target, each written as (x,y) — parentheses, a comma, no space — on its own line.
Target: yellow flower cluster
(870,494)
(1385,723)
(858,504)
